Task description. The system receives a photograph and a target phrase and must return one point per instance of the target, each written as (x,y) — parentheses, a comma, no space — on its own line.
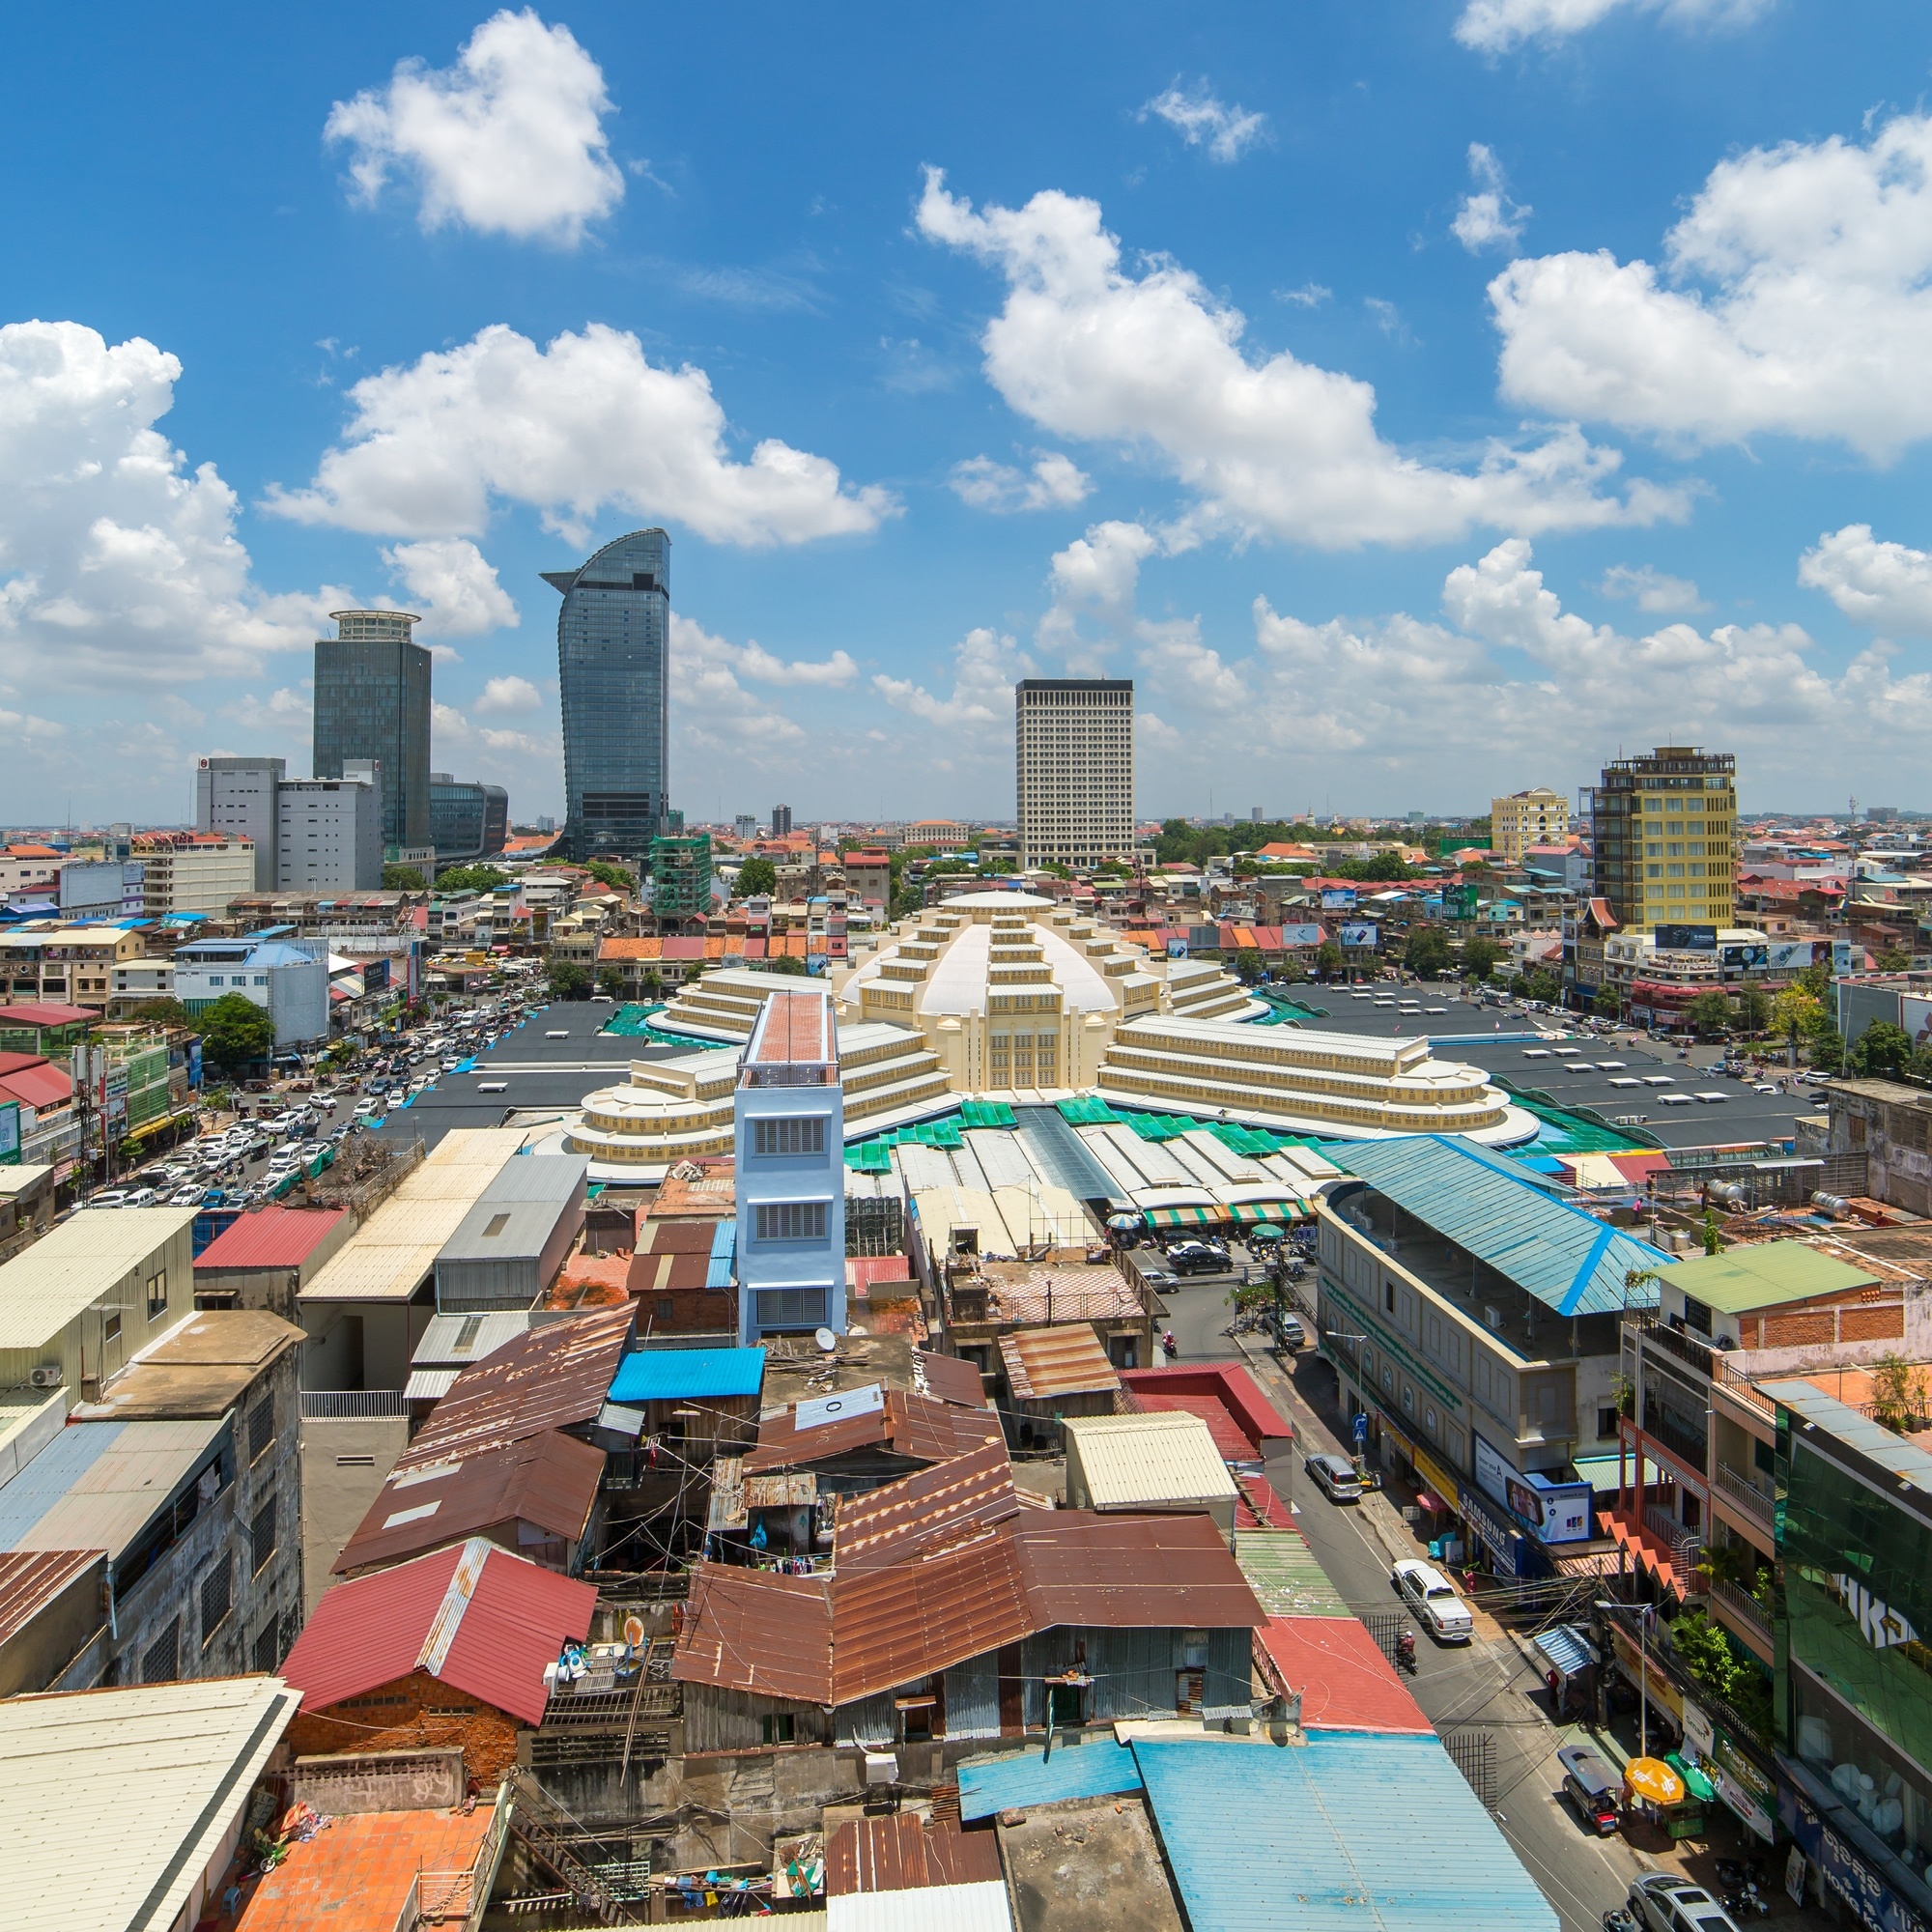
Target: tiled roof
(357,1875)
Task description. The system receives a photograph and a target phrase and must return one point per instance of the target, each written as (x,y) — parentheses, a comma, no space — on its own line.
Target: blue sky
(1417,400)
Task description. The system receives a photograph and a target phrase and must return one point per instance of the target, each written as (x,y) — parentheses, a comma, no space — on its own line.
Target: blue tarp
(1024,1777)
(724,1255)
(678,1375)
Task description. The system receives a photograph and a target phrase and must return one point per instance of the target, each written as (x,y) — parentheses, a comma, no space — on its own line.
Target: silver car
(1670,1902)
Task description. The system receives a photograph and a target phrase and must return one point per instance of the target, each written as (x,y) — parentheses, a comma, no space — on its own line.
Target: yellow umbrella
(1654,1780)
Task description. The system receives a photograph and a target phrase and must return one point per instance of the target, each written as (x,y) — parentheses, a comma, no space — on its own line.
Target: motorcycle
(1169,1347)
(1742,1890)
(1405,1651)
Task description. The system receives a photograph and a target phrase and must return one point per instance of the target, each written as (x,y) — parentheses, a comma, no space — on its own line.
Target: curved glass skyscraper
(612,648)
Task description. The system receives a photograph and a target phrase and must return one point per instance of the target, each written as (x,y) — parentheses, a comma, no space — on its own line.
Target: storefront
(1871,1891)
(1742,1784)
(1641,1669)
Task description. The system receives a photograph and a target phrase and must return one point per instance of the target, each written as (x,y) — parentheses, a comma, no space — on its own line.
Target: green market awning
(1184,1217)
(1284,1209)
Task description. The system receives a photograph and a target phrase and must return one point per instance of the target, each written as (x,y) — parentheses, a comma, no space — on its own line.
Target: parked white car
(1430,1595)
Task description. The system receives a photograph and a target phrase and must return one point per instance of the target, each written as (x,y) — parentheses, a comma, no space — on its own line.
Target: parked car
(110,1196)
(1197,1257)
(1670,1902)
(1591,1786)
(1289,1332)
(1430,1595)
(1335,1477)
(185,1197)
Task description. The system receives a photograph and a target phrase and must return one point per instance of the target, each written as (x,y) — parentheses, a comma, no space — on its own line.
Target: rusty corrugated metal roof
(920,1512)
(832,1639)
(549,1480)
(904,1853)
(914,1427)
(1043,1363)
(949,1379)
(557,1375)
(30,1580)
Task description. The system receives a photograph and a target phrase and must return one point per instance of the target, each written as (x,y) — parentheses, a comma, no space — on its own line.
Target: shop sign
(1646,1675)
(1699,1733)
(1437,1478)
(1742,1786)
(1878,1907)
(1491,1526)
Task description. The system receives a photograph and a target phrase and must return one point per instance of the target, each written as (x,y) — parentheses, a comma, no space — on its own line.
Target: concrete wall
(38,1656)
(407,1781)
(362,1344)
(345,1462)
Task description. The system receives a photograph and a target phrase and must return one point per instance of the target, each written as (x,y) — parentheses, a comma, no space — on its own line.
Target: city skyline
(1413,462)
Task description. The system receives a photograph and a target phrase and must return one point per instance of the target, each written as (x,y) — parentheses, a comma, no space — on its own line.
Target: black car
(1197,1257)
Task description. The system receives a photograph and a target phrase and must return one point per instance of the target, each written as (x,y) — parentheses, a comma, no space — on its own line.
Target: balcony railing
(1744,1604)
(1688,1350)
(1740,1487)
(1686,1545)
(1687,1446)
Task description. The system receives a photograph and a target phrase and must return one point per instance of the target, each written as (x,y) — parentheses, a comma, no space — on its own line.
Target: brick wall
(413,1712)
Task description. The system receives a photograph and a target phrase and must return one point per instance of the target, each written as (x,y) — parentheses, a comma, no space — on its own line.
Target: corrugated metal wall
(973,1699)
(1135,1671)
(717,1720)
(871,1720)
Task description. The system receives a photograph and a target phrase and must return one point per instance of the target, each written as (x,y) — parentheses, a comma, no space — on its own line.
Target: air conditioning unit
(1495,1318)
(882,1767)
(46,1376)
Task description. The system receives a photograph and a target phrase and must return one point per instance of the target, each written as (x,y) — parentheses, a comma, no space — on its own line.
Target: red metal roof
(270,1237)
(915,1427)
(905,1853)
(949,1378)
(1346,1682)
(1225,1395)
(549,1480)
(475,1616)
(36,1087)
(947,1503)
(32,1013)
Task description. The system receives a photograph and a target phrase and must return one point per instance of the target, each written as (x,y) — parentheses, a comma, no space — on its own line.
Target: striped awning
(1185,1217)
(1286,1209)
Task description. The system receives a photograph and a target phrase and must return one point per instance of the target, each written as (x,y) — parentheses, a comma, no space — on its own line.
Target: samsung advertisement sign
(1559,1511)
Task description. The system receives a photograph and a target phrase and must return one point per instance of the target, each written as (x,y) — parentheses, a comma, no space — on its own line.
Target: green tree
(480,878)
(1899,1399)
(1753,1008)
(1608,1002)
(1894,959)
(1538,983)
(1247,965)
(1385,867)
(608,874)
(1826,1050)
(1709,1013)
(652,985)
(611,980)
(1796,1015)
(755,877)
(1328,960)
(402,879)
(1427,953)
(567,979)
(1292,973)
(235,1033)
(788,963)
(1882,1052)
(1480,956)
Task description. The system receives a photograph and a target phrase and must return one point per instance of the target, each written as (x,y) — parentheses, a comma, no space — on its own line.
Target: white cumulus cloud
(508,141)
(1055,482)
(1488,219)
(1651,590)
(974,719)
(1495,26)
(453,586)
(569,430)
(1794,299)
(117,559)
(1203,121)
(501,694)
(1887,585)
(1087,349)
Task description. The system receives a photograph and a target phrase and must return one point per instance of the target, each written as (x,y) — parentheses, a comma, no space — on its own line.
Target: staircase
(557,1839)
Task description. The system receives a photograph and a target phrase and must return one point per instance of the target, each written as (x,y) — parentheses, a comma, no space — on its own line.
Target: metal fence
(1473,1753)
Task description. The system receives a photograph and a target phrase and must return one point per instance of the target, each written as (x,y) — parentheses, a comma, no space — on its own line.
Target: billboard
(1557,1512)
(1788,956)
(1301,936)
(1841,958)
(1177,945)
(375,975)
(1687,938)
(1914,1015)
(1358,935)
(1459,902)
(1746,959)
(1337,898)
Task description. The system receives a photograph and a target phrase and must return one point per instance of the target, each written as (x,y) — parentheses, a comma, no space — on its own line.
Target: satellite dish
(826,1340)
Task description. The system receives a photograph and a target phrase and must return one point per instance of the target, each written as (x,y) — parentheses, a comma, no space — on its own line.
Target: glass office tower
(372,700)
(612,647)
(468,819)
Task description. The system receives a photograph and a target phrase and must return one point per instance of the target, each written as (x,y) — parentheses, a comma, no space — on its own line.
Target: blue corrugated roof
(1024,1777)
(1347,1831)
(52,1474)
(1567,1260)
(675,1375)
(724,1255)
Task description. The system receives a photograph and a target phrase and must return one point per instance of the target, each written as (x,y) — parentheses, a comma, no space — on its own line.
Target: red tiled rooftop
(794,1030)
(354,1875)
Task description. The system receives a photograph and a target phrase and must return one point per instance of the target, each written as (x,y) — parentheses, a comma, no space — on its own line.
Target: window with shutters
(267,1650)
(787,1134)
(791,1221)
(217,1596)
(161,1662)
(261,1426)
(262,1534)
